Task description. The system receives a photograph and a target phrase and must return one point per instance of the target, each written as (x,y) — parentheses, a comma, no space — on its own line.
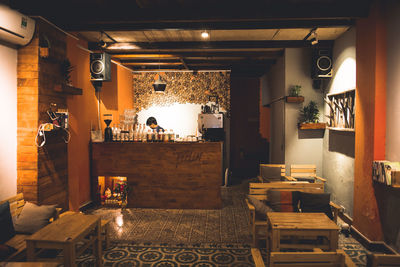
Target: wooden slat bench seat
(304,259)
(18,241)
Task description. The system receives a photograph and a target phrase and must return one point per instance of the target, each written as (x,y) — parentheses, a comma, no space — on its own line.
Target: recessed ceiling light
(205,35)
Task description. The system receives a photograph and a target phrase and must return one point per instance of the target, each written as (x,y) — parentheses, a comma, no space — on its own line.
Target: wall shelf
(69,90)
(351,130)
(294,99)
(312,126)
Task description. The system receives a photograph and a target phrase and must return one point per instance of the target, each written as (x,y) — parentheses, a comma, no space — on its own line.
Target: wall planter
(294,99)
(312,126)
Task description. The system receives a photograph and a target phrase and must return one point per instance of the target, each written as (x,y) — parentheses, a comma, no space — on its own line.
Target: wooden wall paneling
(53,157)
(27,119)
(163,175)
(42,172)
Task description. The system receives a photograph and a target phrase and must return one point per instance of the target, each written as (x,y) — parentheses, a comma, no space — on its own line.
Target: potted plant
(65,70)
(294,95)
(309,117)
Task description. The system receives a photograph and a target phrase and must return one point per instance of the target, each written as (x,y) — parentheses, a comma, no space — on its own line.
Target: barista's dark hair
(150,121)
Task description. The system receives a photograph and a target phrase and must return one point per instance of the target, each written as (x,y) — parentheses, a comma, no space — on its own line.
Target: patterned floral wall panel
(182,87)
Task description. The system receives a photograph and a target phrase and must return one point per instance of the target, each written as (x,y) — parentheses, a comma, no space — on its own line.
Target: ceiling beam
(138,55)
(225,45)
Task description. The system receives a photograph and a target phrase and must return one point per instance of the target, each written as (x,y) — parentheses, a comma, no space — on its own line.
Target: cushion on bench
(6,224)
(310,202)
(260,207)
(285,201)
(33,217)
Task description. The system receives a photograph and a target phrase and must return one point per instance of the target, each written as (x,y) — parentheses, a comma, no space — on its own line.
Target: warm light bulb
(205,35)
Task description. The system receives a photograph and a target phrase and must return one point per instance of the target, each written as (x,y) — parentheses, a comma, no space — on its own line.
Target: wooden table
(64,234)
(298,227)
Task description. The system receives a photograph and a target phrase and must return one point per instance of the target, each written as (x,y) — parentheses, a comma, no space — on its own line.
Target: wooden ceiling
(245,36)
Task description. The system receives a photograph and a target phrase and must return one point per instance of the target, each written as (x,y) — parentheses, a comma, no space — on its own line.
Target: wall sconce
(159,85)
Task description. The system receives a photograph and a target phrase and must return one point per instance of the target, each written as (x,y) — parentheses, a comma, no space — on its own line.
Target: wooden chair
(259,191)
(305,172)
(263,173)
(18,241)
(383,260)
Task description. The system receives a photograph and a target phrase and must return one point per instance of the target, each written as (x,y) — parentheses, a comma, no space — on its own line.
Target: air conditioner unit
(15,28)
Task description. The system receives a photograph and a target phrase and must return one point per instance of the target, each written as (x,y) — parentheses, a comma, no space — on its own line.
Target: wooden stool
(105,231)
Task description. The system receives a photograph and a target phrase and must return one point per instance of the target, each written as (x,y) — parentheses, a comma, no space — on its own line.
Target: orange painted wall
(82,110)
(370,121)
(116,95)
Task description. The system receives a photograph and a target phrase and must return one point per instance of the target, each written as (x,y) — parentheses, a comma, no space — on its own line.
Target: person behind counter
(152,123)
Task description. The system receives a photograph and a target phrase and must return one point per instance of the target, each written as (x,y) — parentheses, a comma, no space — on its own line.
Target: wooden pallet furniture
(383,260)
(304,259)
(18,241)
(297,228)
(317,258)
(278,166)
(64,234)
(305,171)
(105,229)
(259,191)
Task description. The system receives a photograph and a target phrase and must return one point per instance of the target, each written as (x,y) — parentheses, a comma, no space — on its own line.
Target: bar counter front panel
(163,175)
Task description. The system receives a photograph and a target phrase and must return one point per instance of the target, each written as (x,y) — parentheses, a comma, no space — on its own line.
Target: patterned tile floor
(154,237)
(196,255)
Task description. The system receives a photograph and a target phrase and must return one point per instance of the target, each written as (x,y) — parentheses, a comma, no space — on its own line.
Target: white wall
(338,153)
(8,128)
(181,118)
(301,146)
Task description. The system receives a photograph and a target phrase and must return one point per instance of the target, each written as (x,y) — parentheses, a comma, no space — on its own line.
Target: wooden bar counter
(163,175)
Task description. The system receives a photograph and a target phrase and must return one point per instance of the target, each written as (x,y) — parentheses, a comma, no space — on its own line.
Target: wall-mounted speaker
(321,63)
(100,67)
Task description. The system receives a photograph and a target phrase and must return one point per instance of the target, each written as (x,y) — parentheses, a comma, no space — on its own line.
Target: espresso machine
(211,126)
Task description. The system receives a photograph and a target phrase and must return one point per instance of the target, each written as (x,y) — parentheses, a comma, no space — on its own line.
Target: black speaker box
(321,66)
(100,67)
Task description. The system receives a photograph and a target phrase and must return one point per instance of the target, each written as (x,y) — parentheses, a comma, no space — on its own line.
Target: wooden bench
(304,259)
(18,241)
(382,260)
(259,191)
(105,229)
(305,172)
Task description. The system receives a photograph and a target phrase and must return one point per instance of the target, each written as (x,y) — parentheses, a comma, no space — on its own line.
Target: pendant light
(159,85)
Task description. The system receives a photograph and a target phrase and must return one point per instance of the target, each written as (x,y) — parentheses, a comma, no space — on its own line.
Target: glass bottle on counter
(171,136)
(149,137)
(118,133)
(131,133)
(161,136)
(114,132)
(139,133)
(166,136)
(136,134)
(155,136)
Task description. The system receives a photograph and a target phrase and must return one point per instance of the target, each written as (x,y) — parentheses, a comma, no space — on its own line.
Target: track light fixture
(314,39)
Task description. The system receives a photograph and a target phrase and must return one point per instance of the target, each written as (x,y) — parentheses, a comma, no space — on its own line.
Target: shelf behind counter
(179,175)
